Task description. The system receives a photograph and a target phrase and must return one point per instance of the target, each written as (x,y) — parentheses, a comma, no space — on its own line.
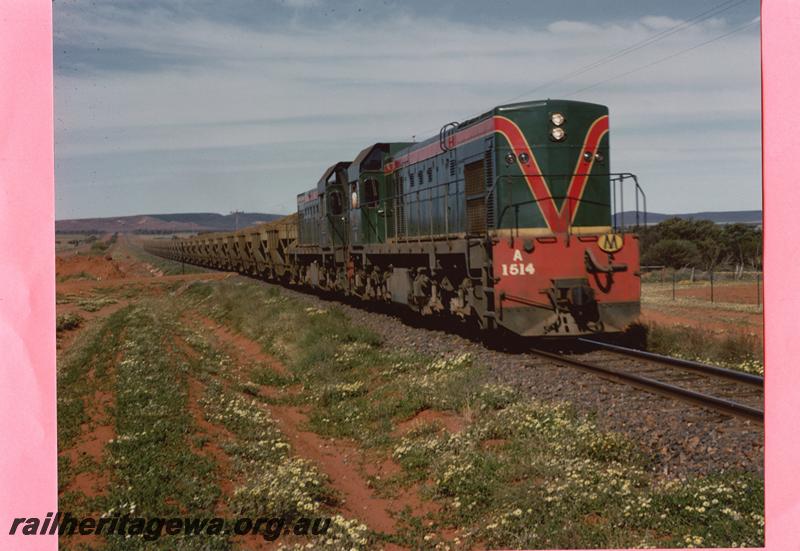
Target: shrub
(67,322)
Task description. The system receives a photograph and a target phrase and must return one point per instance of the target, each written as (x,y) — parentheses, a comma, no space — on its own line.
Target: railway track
(723,390)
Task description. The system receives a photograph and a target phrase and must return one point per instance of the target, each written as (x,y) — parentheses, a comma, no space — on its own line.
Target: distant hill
(212,221)
(752,217)
(165,223)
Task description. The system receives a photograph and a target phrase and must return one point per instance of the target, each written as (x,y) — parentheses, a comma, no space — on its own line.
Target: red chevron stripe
(583,168)
(557,220)
(533,174)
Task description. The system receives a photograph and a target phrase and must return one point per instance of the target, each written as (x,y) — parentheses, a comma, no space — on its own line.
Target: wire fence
(738,286)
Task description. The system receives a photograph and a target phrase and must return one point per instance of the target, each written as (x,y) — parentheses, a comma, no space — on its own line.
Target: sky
(205,106)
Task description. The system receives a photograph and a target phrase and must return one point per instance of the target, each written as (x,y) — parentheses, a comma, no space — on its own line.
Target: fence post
(711,275)
(758,290)
(673,285)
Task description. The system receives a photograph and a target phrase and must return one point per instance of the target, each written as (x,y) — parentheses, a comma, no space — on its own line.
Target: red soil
(744,293)
(717,321)
(242,347)
(98,267)
(450,421)
(348,468)
(701,313)
(339,459)
(90,447)
(214,434)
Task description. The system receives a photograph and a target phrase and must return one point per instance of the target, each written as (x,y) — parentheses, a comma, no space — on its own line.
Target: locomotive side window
(336,203)
(370,191)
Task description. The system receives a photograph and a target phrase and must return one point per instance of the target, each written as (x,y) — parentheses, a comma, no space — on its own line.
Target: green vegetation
(734,350)
(82,275)
(155,470)
(519,474)
(95,303)
(100,247)
(66,322)
(157,461)
(82,371)
(677,243)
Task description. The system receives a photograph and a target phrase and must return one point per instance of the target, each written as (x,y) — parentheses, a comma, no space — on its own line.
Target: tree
(743,244)
(674,253)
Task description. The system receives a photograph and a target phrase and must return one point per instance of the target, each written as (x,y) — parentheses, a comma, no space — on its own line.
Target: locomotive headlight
(558,133)
(510,158)
(557,119)
(523,158)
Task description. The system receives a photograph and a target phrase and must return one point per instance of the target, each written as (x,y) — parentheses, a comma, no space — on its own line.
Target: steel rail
(720,404)
(740,376)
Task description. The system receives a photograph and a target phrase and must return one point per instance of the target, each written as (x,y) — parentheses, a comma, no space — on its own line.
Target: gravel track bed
(683,439)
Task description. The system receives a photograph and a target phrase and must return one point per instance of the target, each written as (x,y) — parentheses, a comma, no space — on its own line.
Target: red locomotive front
(561,260)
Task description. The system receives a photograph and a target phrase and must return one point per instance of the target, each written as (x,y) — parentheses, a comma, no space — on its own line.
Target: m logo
(610,242)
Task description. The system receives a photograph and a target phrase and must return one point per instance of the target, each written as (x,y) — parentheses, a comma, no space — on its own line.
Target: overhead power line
(703,16)
(716,10)
(665,58)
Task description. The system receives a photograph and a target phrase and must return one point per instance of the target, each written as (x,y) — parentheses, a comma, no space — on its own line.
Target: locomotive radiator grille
(475,190)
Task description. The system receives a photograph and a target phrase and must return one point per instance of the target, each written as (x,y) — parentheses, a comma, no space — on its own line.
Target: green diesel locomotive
(511,219)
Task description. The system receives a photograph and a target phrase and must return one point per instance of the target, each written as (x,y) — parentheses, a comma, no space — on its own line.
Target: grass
(734,350)
(152,468)
(82,372)
(157,462)
(95,303)
(520,474)
(82,275)
(271,481)
(514,473)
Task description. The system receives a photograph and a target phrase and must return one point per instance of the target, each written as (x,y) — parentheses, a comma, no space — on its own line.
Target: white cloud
(299,4)
(233,87)
(660,22)
(572,27)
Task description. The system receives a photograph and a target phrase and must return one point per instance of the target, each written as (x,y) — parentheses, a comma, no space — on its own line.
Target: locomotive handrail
(444,134)
(408,207)
(614,178)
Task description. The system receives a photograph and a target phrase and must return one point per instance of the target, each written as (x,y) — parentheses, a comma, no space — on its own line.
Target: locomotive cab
(370,195)
(333,218)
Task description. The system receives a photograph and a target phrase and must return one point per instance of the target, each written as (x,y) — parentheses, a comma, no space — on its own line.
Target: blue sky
(193,105)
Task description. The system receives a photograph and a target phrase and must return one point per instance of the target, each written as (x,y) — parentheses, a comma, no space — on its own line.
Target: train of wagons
(509,220)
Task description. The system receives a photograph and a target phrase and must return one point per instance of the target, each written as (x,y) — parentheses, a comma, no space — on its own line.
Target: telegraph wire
(716,10)
(656,62)
(711,12)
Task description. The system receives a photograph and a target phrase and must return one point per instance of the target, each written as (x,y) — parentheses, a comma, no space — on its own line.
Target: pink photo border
(28,474)
(28,477)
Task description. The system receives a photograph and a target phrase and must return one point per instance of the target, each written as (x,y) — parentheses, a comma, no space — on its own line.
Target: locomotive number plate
(518,267)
